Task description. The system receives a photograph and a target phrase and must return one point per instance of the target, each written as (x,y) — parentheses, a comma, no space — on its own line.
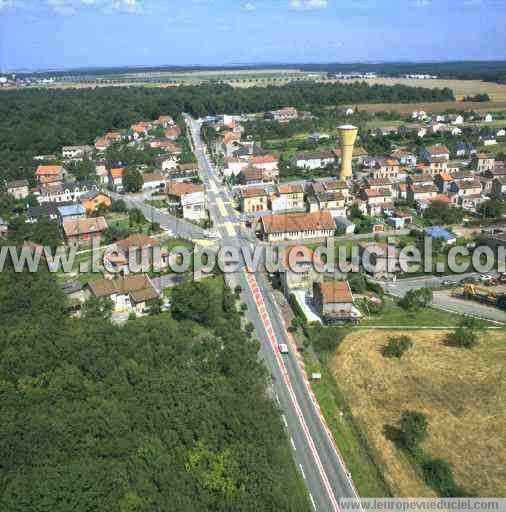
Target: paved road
(314,450)
(179,227)
(443,299)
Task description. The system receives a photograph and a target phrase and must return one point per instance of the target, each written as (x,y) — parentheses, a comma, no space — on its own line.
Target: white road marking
(302,471)
(283,417)
(312,501)
(293,444)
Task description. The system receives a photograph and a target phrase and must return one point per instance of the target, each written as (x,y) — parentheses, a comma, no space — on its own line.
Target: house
(385,167)
(302,257)
(234,166)
(187,199)
(422,192)
(166,162)
(486,118)
(499,187)
(346,111)
(464,149)
(283,115)
(137,248)
(19,189)
(443,181)
(501,132)
(378,200)
(166,145)
(287,198)
(183,171)
(484,162)
(50,173)
(116,179)
(46,210)
(71,212)
(468,193)
(130,294)
(488,140)
(91,201)
(152,180)
(344,225)
(405,157)
(334,300)
(165,121)
(435,153)
(419,115)
(63,192)
(315,160)
(438,233)
(268,164)
(297,226)
(420,179)
(76,153)
(102,172)
(253,200)
(398,219)
(377,184)
(455,119)
(334,202)
(101,144)
(386,130)
(83,231)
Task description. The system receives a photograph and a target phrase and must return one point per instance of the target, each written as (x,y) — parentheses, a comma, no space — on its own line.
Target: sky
(49,34)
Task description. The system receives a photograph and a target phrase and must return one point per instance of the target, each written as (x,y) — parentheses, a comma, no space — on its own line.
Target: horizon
(178,68)
(148,33)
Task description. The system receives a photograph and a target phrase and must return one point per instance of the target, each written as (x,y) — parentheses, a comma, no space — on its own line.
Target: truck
(283,348)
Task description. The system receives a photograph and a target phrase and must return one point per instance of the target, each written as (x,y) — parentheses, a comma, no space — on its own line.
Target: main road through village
(315,453)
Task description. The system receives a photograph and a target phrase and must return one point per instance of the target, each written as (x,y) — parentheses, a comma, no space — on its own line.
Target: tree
(413,428)
(97,309)
(397,347)
(491,208)
(466,335)
(118,206)
(439,475)
(132,180)
(155,306)
(136,217)
(416,299)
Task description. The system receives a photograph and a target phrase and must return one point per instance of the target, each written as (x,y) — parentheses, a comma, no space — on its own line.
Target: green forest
(167,413)
(34,122)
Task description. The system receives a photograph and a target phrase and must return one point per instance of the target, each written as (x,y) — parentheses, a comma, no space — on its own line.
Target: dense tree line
(34,122)
(160,414)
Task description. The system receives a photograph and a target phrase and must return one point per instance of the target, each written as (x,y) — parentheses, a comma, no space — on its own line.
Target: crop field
(462,393)
(461,88)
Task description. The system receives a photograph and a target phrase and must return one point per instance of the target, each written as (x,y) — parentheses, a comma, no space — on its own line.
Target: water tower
(348,134)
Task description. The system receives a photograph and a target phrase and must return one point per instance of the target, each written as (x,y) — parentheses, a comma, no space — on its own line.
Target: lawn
(394,316)
(461,392)
(357,454)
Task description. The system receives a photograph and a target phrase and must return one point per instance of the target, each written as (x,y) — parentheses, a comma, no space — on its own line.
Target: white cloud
(308,5)
(249,6)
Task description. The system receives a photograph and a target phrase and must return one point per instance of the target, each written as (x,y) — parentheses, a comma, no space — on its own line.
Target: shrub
(413,428)
(396,347)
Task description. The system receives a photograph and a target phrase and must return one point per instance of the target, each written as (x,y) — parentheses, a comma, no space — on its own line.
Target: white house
(313,161)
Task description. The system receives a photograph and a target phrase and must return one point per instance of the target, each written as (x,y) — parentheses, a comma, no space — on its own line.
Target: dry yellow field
(461,88)
(462,392)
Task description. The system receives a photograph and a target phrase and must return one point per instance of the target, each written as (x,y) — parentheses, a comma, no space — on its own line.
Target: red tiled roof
(296,222)
(48,170)
(335,292)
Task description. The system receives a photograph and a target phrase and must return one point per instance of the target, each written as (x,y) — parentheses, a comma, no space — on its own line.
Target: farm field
(461,88)
(462,393)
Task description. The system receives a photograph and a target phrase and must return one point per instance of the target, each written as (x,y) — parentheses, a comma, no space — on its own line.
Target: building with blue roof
(71,211)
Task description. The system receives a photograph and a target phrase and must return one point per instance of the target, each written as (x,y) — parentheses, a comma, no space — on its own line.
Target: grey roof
(16,184)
